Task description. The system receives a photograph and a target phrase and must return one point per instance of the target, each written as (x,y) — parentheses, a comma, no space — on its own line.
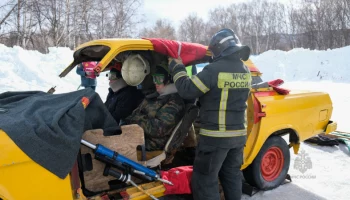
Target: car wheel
(270,167)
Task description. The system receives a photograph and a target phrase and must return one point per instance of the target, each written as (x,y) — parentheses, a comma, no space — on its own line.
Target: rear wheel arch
(293,134)
(294,139)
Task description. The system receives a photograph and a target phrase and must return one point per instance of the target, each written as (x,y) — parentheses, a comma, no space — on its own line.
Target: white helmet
(134,70)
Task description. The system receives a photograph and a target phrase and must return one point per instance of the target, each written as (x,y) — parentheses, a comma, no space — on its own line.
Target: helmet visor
(158,79)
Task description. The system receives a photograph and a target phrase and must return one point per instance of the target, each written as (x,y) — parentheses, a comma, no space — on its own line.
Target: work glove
(275,85)
(174,63)
(276,82)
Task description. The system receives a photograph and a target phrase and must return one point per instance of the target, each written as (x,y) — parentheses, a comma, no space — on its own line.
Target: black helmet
(161,75)
(225,42)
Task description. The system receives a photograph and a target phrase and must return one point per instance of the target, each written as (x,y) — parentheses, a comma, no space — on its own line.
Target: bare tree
(162,29)
(275,24)
(243,22)
(192,29)
(222,17)
(9,12)
(291,24)
(219,18)
(123,17)
(100,18)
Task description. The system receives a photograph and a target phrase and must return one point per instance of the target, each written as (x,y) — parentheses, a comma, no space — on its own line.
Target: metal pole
(142,190)
(88,144)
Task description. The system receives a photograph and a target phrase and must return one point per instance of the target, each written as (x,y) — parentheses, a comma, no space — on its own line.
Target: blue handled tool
(115,158)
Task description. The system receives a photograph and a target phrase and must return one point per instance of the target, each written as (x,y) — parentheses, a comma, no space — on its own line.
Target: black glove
(173,63)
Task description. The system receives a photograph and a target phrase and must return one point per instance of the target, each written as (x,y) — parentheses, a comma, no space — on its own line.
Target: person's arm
(133,118)
(80,70)
(189,87)
(194,69)
(124,107)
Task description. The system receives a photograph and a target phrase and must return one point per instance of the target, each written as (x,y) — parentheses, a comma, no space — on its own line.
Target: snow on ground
(328,178)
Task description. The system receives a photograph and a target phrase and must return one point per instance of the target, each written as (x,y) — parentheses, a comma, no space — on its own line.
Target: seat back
(180,132)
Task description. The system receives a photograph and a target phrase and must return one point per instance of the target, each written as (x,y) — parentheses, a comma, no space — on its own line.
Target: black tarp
(48,127)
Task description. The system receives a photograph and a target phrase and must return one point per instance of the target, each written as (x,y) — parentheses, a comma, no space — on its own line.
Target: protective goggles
(112,76)
(158,79)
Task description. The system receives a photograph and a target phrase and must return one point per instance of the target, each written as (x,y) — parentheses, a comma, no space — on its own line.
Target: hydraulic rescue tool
(113,158)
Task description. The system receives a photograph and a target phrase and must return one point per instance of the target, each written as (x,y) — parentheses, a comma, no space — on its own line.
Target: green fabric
(347,143)
(158,117)
(189,70)
(344,137)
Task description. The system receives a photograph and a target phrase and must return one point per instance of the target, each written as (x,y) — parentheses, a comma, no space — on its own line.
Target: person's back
(229,92)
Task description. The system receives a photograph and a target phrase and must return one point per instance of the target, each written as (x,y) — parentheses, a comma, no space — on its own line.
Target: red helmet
(115,71)
(116,65)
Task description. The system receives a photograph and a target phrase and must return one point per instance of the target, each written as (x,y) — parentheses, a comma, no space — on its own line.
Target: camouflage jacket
(158,117)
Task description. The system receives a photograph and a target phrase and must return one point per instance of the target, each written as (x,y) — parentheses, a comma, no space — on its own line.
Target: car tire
(270,167)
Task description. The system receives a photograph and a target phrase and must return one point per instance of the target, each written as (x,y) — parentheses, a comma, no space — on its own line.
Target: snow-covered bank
(30,70)
(305,65)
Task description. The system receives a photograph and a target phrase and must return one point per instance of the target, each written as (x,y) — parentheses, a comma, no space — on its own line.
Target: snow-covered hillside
(305,65)
(326,71)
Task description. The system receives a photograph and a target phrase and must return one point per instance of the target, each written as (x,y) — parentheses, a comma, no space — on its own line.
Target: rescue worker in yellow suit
(222,87)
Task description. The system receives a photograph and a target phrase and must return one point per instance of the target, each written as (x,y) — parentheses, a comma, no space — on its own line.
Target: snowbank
(31,70)
(305,65)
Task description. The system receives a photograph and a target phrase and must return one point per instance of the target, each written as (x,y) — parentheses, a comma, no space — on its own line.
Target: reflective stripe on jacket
(189,70)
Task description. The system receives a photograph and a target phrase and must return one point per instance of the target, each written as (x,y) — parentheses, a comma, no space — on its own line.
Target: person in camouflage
(159,112)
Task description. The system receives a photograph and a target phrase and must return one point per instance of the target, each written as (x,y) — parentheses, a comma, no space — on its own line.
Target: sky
(177,10)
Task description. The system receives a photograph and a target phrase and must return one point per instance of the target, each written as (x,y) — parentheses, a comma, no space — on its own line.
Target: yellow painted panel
(22,178)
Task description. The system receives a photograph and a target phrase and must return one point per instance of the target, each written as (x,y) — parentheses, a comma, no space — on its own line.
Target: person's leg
(206,168)
(93,87)
(230,174)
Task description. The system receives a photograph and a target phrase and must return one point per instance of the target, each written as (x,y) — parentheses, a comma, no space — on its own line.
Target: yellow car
(270,115)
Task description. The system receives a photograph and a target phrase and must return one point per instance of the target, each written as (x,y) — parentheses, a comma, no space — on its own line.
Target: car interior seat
(91,170)
(179,133)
